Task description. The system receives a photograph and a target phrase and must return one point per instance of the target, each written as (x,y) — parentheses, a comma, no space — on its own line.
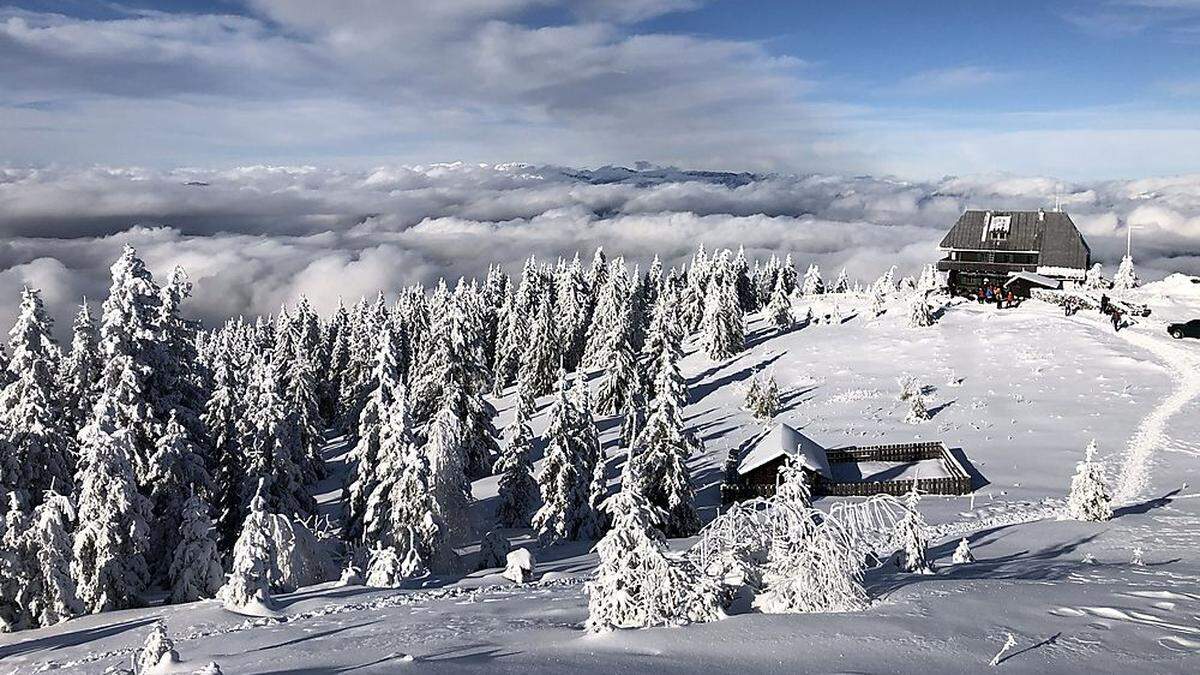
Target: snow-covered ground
(1019,391)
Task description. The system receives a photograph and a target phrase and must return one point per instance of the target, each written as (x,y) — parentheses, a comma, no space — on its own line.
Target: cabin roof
(782,441)
(1033,278)
(1050,233)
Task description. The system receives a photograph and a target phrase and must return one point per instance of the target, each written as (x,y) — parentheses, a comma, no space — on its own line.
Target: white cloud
(949,80)
(254,238)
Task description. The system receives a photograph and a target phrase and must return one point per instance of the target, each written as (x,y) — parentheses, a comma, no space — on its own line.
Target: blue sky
(1077,89)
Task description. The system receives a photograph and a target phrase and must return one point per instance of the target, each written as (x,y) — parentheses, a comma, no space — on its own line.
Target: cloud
(949,80)
(1126,18)
(255,238)
(407,80)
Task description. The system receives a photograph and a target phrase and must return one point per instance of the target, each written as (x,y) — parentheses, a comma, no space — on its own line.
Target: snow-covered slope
(1020,391)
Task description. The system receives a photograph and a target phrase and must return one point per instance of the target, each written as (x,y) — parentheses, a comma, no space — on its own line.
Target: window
(997,228)
(1017,258)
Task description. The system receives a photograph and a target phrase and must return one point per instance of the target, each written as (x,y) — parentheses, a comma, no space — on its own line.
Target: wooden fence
(958,482)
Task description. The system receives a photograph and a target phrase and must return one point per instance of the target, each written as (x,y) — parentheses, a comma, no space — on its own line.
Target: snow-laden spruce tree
(723,325)
(842,285)
(509,345)
(195,570)
(637,583)
(572,312)
(566,472)
(17,575)
(112,538)
(813,567)
(454,380)
(175,472)
(917,411)
(1095,279)
(1089,499)
(36,587)
(661,465)
(794,489)
(80,371)
(693,295)
(175,385)
(633,419)
(248,588)
(274,452)
(878,300)
(962,553)
(812,284)
(493,550)
(402,513)
(363,476)
(762,397)
(909,534)
(157,654)
(450,489)
(886,283)
(221,418)
(301,391)
(664,327)
(595,521)
(929,281)
(132,353)
(56,600)
(812,562)
(1126,277)
(620,377)
(741,276)
(612,299)
(787,271)
(540,358)
(920,312)
(385,569)
(518,491)
(780,308)
(32,419)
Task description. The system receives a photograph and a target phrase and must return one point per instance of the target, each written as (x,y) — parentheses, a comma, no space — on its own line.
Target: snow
(1035,278)
(785,440)
(889,471)
(1035,388)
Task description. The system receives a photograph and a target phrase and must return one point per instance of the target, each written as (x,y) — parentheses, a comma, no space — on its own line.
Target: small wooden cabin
(759,469)
(894,469)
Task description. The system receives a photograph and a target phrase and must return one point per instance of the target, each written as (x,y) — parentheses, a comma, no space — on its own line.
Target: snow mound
(1176,285)
(255,608)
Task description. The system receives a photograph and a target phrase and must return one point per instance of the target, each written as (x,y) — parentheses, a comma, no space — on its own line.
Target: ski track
(1150,436)
(1151,433)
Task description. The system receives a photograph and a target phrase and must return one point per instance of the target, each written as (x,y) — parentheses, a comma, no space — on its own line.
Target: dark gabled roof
(1051,233)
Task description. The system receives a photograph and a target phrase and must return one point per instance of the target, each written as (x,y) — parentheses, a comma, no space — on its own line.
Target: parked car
(1185,329)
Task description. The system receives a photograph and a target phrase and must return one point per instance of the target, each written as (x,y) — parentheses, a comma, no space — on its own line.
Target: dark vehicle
(1185,329)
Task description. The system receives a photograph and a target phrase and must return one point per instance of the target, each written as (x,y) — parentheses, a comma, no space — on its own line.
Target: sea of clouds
(254,238)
